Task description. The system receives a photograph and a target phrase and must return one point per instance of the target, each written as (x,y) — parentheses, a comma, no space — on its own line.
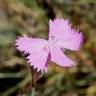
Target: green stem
(33,92)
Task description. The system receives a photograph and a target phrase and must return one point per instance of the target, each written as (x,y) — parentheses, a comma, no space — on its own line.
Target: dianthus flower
(61,37)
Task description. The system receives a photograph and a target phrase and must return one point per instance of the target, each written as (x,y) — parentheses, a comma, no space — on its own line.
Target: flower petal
(59,58)
(66,37)
(58,28)
(38,60)
(73,42)
(28,44)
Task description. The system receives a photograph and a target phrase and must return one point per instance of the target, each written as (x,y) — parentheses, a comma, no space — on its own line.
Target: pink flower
(61,37)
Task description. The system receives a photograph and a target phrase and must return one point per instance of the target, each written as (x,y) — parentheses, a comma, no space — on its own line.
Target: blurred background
(31,17)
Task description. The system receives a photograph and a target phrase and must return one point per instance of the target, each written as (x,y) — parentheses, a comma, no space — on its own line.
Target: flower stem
(33,92)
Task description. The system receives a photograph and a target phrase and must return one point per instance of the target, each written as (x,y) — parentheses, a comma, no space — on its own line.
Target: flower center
(51,42)
(52,39)
(46,48)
